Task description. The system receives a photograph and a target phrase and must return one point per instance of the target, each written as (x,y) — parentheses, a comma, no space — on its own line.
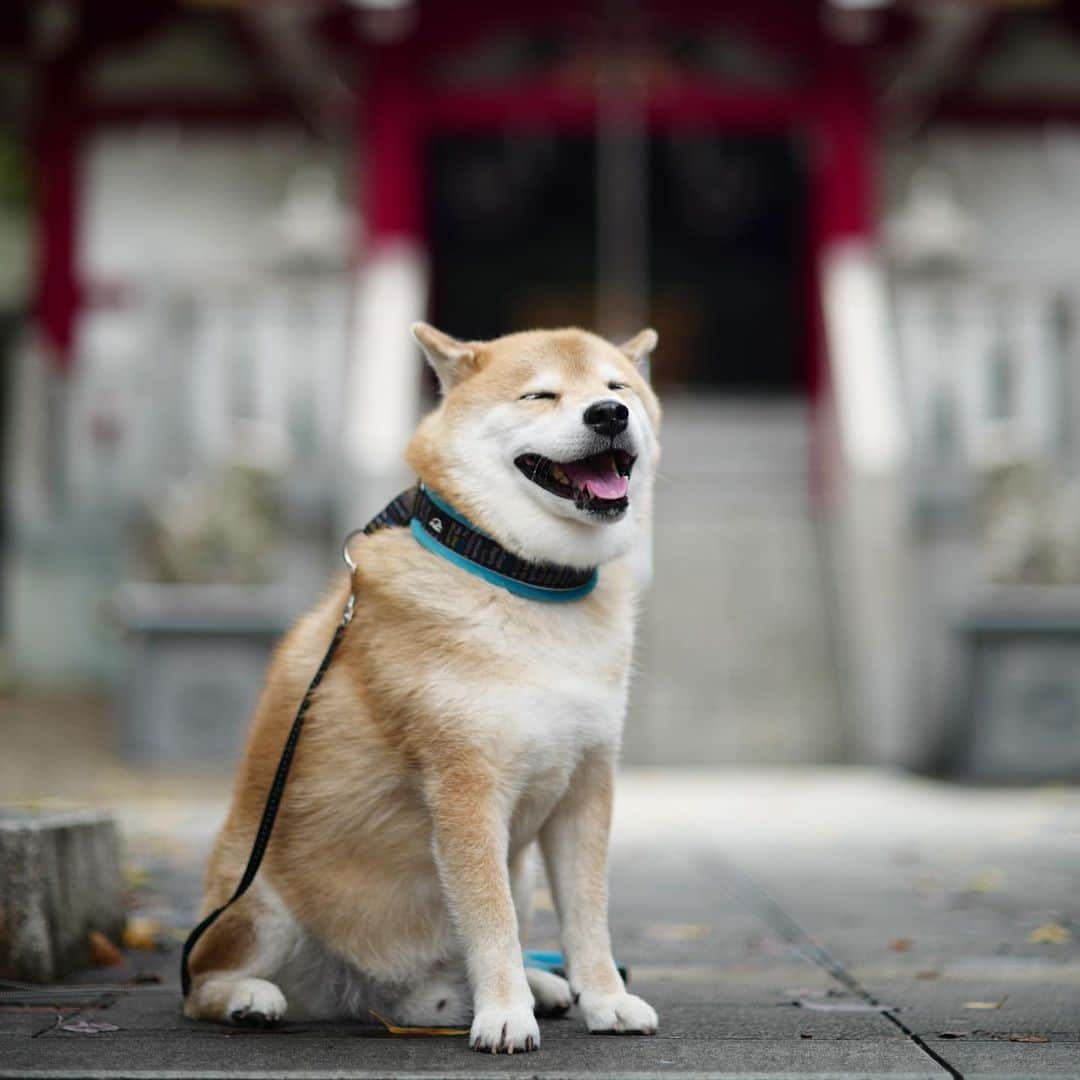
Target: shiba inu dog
(460,726)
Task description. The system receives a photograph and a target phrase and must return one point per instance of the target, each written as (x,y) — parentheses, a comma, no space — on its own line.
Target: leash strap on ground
(397,514)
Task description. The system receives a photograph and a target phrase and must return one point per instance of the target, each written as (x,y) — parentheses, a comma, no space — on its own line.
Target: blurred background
(854,223)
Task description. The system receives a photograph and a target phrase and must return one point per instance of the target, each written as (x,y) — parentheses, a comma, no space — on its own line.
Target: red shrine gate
(761,85)
(802,139)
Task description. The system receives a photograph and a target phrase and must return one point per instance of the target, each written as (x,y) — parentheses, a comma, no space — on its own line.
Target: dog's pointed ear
(640,345)
(452,360)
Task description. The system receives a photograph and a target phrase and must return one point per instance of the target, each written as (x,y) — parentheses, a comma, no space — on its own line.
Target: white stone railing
(983,364)
(173,385)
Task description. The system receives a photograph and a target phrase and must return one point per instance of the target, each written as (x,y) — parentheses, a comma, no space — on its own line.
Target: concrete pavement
(784,923)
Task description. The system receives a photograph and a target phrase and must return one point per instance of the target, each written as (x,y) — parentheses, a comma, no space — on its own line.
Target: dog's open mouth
(598,483)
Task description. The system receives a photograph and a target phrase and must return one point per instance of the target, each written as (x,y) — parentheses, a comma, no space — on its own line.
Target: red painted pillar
(56,149)
(842,196)
(843,207)
(846,148)
(383,392)
(391,142)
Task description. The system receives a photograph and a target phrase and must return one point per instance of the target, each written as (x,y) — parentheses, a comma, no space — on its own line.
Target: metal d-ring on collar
(397,514)
(350,604)
(345,549)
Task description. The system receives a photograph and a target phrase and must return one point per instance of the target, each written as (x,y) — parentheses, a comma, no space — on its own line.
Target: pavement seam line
(791,931)
(104,1002)
(58,1019)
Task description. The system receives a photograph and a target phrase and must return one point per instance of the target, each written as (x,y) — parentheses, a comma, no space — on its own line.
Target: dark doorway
(513,243)
(727,261)
(513,229)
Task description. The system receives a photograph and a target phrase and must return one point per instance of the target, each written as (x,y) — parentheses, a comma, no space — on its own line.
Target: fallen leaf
(677,932)
(929,973)
(806,1034)
(397,1029)
(148,977)
(992,879)
(953,1035)
(88,1027)
(103,953)
(1050,933)
(1021,1038)
(141,933)
(986,1004)
(900,944)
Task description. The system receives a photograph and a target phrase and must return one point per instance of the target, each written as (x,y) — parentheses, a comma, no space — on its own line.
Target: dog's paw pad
(617,1014)
(250,1018)
(503,1031)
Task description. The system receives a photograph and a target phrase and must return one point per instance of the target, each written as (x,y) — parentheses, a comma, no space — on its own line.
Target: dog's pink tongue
(598,476)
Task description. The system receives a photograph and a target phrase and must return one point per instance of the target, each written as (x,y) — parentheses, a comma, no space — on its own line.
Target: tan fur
(413,788)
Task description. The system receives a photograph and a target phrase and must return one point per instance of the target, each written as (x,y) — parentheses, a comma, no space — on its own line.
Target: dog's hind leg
(550,992)
(233,963)
(443,1000)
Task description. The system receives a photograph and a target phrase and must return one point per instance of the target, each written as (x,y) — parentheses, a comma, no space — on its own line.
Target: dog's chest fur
(529,685)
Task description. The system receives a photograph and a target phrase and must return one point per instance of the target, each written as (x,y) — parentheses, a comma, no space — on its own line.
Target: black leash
(438,527)
(398,513)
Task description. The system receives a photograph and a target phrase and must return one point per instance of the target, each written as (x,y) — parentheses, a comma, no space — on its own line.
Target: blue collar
(450,535)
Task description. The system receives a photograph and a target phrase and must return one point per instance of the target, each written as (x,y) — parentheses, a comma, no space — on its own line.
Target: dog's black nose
(607,417)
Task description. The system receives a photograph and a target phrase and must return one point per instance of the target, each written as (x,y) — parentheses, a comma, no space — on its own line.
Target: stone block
(59,880)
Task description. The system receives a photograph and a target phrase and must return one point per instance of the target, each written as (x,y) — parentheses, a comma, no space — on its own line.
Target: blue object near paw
(553,962)
(546,961)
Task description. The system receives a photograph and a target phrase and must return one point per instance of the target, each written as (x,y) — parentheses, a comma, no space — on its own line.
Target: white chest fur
(539,683)
(555,677)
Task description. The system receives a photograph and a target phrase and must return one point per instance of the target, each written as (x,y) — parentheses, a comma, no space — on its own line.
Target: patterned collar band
(446,533)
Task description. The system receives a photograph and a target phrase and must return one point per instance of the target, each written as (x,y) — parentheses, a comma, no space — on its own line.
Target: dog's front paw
(502,1031)
(255,1003)
(622,1014)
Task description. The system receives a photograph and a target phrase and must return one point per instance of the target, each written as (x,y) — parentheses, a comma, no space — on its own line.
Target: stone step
(735,659)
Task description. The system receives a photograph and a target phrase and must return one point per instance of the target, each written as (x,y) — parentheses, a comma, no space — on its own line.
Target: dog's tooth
(559,475)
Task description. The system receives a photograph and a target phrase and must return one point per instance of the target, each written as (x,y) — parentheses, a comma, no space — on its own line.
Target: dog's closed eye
(539,395)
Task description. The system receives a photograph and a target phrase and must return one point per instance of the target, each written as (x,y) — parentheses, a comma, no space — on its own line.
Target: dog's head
(546,439)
